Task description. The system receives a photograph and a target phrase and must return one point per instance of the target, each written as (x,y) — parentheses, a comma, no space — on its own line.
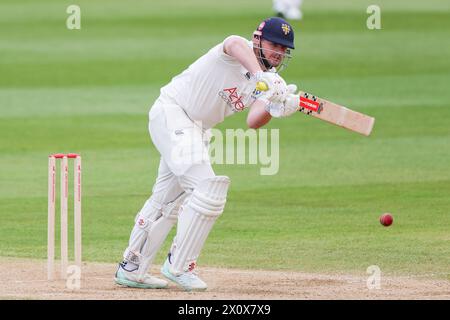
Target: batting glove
(277,87)
(292,88)
(284,109)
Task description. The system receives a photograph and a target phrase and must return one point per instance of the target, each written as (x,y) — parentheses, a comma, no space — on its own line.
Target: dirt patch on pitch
(26,279)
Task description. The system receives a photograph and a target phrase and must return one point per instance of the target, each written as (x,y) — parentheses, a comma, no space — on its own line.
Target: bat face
(335,114)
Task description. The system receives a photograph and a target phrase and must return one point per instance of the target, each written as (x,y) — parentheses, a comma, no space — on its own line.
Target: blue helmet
(277,30)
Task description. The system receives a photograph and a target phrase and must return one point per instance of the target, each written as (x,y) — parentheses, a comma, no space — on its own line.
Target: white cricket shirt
(213,87)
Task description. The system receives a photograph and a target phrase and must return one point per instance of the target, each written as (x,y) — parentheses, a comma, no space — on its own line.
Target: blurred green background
(89,91)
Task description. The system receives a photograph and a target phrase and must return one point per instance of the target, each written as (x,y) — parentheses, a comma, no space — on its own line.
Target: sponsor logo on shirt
(232,98)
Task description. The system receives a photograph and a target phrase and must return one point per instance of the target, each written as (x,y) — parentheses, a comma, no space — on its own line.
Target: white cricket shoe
(133,280)
(189,281)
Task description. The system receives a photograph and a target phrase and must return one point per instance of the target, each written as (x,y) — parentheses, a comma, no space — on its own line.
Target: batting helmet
(276,30)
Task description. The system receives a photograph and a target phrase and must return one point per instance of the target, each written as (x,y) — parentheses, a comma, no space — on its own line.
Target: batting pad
(152,225)
(157,234)
(143,222)
(196,219)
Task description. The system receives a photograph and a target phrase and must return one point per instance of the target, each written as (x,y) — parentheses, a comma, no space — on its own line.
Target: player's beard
(264,62)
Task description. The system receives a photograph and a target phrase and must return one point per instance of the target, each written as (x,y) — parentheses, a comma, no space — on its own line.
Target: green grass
(89,91)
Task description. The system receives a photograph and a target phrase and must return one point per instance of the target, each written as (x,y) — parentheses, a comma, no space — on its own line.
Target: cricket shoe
(189,281)
(132,279)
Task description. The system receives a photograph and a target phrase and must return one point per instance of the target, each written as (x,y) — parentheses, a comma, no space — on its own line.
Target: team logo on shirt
(232,98)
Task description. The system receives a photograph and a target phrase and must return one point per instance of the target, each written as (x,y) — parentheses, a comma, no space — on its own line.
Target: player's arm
(238,48)
(266,107)
(258,116)
(261,110)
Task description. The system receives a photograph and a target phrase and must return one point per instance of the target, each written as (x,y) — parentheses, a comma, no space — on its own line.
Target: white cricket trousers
(183,145)
(184,163)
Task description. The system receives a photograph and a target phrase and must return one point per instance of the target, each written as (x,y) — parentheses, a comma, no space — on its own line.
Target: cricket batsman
(187,192)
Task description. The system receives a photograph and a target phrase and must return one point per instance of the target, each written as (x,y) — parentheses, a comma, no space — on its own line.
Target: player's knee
(210,195)
(148,214)
(170,210)
(154,211)
(195,174)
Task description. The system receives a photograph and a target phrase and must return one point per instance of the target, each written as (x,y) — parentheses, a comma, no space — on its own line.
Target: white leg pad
(158,233)
(149,213)
(196,218)
(152,225)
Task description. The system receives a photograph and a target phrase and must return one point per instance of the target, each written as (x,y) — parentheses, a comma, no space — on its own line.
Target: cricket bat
(331,112)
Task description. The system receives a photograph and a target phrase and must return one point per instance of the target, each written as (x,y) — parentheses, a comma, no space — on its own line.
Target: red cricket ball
(386,219)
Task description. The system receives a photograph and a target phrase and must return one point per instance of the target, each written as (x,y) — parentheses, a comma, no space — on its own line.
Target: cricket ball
(386,219)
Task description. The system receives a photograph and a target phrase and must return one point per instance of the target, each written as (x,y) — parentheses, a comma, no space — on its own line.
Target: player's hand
(292,88)
(291,104)
(274,87)
(284,109)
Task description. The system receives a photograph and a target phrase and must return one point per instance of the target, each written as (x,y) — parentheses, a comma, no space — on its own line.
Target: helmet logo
(286,28)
